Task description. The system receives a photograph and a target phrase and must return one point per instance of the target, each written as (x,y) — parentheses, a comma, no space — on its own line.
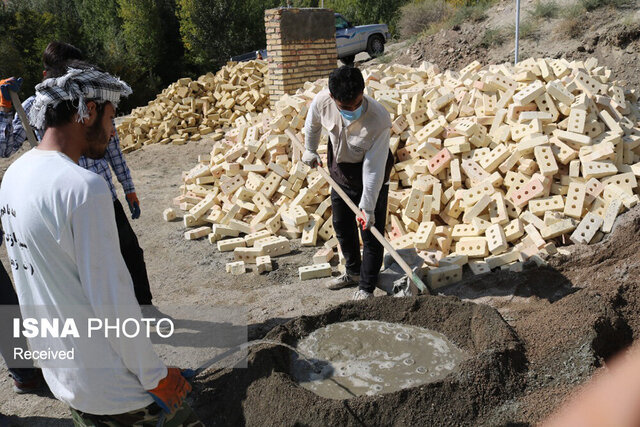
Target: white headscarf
(78,86)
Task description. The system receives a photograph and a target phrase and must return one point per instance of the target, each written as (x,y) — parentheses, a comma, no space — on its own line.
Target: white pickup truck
(351,40)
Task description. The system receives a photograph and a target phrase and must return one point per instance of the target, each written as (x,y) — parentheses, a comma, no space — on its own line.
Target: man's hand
(171,391)
(5,86)
(366,220)
(134,205)
(311,158)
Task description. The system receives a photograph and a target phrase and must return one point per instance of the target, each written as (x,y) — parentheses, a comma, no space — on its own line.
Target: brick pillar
(301,47)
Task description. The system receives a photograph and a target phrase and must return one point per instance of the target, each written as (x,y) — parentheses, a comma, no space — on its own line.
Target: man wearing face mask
(360,161)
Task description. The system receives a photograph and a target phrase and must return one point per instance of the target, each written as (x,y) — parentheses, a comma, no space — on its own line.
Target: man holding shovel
(360,161)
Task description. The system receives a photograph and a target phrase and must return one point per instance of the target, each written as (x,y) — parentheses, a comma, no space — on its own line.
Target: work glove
(171,391)
(367,219)
(134,205)
(311,158)
(5,86)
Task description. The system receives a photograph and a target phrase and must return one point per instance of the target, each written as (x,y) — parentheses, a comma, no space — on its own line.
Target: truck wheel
(375,46)
(348,60)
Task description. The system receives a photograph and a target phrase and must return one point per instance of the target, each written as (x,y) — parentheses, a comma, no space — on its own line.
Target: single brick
(443,276)
(315,271)
(574,204)
(474,247)
(230,244)
(440,161)
(235,268)
(169,214)
(531,190)
(263,263)
(423,238)
(277,247)
(197,233)
(496,239)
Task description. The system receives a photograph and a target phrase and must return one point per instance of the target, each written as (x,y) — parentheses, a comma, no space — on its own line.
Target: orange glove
(5,86)
(134,205)
(171,391)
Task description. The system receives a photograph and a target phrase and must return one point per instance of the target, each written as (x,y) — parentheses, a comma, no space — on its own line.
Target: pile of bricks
(495,165)
(189,109)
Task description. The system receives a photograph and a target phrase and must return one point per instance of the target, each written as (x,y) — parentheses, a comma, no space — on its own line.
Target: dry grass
(417,17)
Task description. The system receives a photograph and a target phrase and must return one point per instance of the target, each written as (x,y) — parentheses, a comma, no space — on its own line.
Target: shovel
(411,274)
(23,117)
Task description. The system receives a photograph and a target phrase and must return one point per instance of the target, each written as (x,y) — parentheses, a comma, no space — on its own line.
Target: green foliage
(528,29)
(572,23)
(475,12)
(493,37)
(544,9)
(415,17)
(151,43)
(575,10)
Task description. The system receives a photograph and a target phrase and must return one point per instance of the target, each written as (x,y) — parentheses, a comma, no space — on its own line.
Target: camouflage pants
(150,416)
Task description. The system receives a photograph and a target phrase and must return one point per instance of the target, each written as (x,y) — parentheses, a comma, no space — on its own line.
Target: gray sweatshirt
(365,140)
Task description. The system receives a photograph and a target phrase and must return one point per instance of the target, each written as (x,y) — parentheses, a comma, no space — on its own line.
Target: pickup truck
(350,40)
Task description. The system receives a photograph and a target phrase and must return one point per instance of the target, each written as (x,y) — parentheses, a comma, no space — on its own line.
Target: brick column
(301,47)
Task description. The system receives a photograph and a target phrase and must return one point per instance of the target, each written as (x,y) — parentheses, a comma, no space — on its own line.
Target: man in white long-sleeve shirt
(360,161)
(66,261)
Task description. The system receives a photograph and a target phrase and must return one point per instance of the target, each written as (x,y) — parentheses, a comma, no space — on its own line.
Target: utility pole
(517,31)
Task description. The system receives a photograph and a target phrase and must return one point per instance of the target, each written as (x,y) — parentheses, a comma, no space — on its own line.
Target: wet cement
(372,357)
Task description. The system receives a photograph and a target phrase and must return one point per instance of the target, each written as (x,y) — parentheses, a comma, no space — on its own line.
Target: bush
(570,28)
(417,17)
(572,25)
(528,30)
(475,13)
(542,9)
(493,37)
(573,11)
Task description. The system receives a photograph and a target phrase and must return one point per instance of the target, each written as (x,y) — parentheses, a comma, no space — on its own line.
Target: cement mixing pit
(266,393)
(368,357)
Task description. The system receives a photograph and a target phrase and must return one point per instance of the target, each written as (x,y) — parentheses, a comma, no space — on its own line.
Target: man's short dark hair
(57,53)
(346,83)
(63,113)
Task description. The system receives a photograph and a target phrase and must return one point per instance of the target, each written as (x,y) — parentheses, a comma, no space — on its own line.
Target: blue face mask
(352,115)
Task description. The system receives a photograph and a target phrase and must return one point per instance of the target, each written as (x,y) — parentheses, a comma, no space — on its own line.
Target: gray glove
(311,158)
(367,219)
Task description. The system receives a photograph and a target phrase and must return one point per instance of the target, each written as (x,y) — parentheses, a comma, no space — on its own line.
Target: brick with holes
(530,190)
(587,229)
(440,161)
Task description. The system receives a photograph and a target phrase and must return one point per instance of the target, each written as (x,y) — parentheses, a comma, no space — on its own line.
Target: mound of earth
(265,393)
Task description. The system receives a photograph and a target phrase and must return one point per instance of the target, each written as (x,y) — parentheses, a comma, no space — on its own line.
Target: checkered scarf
(79,86)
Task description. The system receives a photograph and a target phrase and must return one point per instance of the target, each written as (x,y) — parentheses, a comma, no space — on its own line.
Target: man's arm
(373,168)
(118,163)
(107,282)
(312,127)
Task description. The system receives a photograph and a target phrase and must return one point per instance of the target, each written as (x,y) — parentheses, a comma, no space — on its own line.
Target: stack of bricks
(301,47)
(189,109)
(495,166)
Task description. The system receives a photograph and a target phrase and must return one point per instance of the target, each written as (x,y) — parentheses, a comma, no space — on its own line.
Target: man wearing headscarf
(66,263)
(13,135)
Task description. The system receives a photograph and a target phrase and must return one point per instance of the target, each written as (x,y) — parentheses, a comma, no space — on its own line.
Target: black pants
(9,299)
(133,256)
(346,229)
